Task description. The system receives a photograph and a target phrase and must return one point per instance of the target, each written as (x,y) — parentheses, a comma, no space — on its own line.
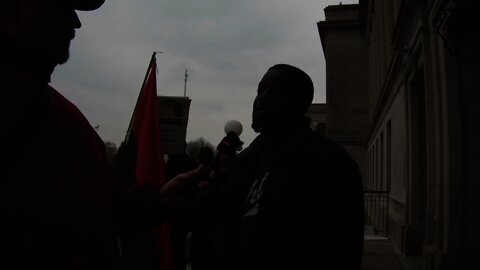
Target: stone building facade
(403,83)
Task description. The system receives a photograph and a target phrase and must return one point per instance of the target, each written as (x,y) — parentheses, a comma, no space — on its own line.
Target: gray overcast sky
(227,45)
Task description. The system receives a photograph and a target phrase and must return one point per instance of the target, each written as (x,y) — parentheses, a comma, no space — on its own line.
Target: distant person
(57,203)
(205,155)
(179,163)
(293,199)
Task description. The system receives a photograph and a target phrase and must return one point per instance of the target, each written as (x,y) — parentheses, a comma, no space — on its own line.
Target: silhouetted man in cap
(293,199)
(57,203)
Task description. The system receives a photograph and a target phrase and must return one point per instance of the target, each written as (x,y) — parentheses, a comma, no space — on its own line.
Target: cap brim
(87,5)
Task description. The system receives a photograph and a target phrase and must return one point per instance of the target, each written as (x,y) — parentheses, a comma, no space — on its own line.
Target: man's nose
(75,20)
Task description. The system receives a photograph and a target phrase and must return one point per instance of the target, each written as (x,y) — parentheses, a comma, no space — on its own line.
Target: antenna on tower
(186,79)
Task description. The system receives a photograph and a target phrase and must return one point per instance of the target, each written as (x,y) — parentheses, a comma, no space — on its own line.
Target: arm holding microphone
(191,194)
(217,170)
(226,150)
(199,185)
(207,201)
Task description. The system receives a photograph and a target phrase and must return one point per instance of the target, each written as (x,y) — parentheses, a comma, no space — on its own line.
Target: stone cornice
(324,27)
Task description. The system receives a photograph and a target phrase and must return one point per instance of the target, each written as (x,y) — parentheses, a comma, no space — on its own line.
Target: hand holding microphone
(217,169)
(235,127)
(227,148)
(182,189)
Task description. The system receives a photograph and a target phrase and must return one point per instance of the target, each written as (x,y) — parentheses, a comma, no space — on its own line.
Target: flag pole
(185,87)
(153,61)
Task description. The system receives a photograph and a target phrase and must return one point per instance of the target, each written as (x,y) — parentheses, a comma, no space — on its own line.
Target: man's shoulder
(323,143)
(328,150)
(68,111)
(60,103)
(70,118)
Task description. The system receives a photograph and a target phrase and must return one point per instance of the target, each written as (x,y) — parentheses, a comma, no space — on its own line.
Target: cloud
(226,45)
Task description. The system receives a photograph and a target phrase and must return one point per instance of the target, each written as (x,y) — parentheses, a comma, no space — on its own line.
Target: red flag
(145,126)
(144,136)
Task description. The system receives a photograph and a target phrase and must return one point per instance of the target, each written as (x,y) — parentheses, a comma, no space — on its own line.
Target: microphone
(235,126)
(228,147)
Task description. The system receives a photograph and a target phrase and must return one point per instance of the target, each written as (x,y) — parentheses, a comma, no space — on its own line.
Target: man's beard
(256,128)
(257,124)
(63,57)
(59,53)
(260,125)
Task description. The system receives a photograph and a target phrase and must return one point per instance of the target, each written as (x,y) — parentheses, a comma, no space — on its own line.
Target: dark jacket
(59,206)
(55,193)
(310,214)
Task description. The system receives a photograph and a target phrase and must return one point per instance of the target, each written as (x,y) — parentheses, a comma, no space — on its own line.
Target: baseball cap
(87,5)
